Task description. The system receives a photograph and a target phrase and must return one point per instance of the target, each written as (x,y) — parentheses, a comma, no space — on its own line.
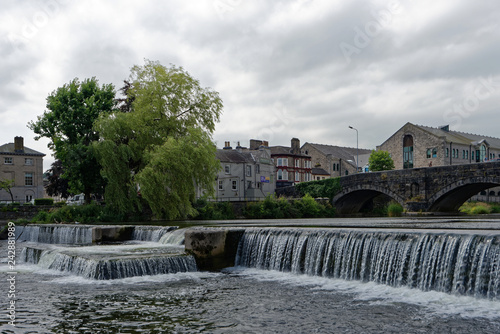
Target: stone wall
(21,211)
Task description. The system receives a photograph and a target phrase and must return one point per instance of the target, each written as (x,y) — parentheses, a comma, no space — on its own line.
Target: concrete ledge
(213,248)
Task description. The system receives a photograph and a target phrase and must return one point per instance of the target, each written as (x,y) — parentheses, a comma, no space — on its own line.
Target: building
(319,174)
(247,174)
(414,146)
(25,167)
(336,160)
(292,166)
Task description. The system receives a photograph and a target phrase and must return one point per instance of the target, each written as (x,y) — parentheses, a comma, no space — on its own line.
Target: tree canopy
(380,160)
(68,122)
(160,148)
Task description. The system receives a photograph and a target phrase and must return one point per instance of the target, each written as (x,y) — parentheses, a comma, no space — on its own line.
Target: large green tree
(68,122)
(161,148)
(380,160)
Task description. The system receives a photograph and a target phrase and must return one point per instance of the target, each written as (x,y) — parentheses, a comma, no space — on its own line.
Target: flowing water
(287,281)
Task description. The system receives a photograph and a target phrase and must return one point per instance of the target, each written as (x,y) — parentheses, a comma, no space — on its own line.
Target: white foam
(432,301)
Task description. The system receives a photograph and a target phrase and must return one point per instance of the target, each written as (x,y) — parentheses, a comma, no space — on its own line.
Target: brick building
(25,167)
(415,146)
(292,165)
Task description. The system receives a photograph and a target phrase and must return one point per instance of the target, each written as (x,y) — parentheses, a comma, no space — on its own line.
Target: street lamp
(357,149)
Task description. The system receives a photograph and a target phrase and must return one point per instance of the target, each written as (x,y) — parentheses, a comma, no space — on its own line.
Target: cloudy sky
(284,69)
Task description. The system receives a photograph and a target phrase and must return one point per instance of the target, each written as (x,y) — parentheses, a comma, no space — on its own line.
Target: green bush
(308,207)
(327,188)
(44,201)
(480,210)
(394,209)
(495,208)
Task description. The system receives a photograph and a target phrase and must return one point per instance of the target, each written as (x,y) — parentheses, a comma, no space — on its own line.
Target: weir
(453,262)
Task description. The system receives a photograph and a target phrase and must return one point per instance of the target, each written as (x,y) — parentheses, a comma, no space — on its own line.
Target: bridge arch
(451,197)
(352,200)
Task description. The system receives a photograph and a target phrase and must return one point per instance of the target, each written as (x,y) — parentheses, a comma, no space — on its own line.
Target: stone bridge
(432,189)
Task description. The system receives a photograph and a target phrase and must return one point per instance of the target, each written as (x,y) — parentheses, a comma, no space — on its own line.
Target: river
(239,299)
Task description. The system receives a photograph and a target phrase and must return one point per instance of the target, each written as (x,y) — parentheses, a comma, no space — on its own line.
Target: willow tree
(162,148)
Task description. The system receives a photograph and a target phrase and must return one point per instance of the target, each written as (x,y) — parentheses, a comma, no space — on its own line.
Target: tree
(58,185)
(68,122)
(7,186)
(380,160)
(161,149)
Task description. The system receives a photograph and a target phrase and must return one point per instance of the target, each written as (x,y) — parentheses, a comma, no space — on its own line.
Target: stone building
(246,174)
(25,167)
(292,165)
(336,160)
(415,146)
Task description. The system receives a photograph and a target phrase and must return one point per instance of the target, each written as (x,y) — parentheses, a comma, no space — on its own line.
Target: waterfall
(55,234)
(151,233)
(109,268)
(447,262)
(175,237)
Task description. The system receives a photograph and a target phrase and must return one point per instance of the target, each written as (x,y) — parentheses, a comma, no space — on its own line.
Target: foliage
(160,147)
(89,213)
(278,208)
(327,188)
(44,201)
(478,208)
(380,160)
(394,209)
(68,123)
(7,186)
(58,185)
(213,210)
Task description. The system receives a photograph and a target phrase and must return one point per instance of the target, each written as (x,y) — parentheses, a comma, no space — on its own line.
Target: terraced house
(25,167)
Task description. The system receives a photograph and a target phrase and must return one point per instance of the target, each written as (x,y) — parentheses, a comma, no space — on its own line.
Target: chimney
(295,146)
(227,145)
(19,144)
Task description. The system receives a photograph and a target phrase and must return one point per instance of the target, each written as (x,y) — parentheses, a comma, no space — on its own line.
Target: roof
(319,171)
(460,137)
(344,153)
(285,150)
(9,149)
(233,156)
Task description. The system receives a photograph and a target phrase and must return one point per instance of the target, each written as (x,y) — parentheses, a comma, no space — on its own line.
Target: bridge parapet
(436,189)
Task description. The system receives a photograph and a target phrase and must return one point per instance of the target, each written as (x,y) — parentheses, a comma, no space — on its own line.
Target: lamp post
(357,149)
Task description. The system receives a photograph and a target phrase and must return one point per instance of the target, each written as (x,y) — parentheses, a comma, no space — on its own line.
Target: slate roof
(460,137)
(344,153)
(285,150)
(9,149)
(319,171)
(233,156)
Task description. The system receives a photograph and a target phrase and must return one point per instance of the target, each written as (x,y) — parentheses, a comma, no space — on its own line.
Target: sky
(307,69)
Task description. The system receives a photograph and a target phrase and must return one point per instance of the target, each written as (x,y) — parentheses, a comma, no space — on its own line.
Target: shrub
(480,210)
(495,208)
(44,201)
(308,207)
(394,209)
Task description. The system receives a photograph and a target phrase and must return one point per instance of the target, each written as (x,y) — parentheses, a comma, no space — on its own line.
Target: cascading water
(447,262)
(104,268)
(175,237)
(142,255)
(51,234)
(151,233)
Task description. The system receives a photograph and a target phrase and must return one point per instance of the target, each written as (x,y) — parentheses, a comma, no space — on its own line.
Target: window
(221,184)
(434,152)
(8,160)
(447,152)
(466,154)
(28,161)
(463,154)
(297,163)
(297,177)
(333,167)
(428,153)
(407,152)
(227,169)
(249,170)
(28,179)
(28,198)
(257,169)
(234,185)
